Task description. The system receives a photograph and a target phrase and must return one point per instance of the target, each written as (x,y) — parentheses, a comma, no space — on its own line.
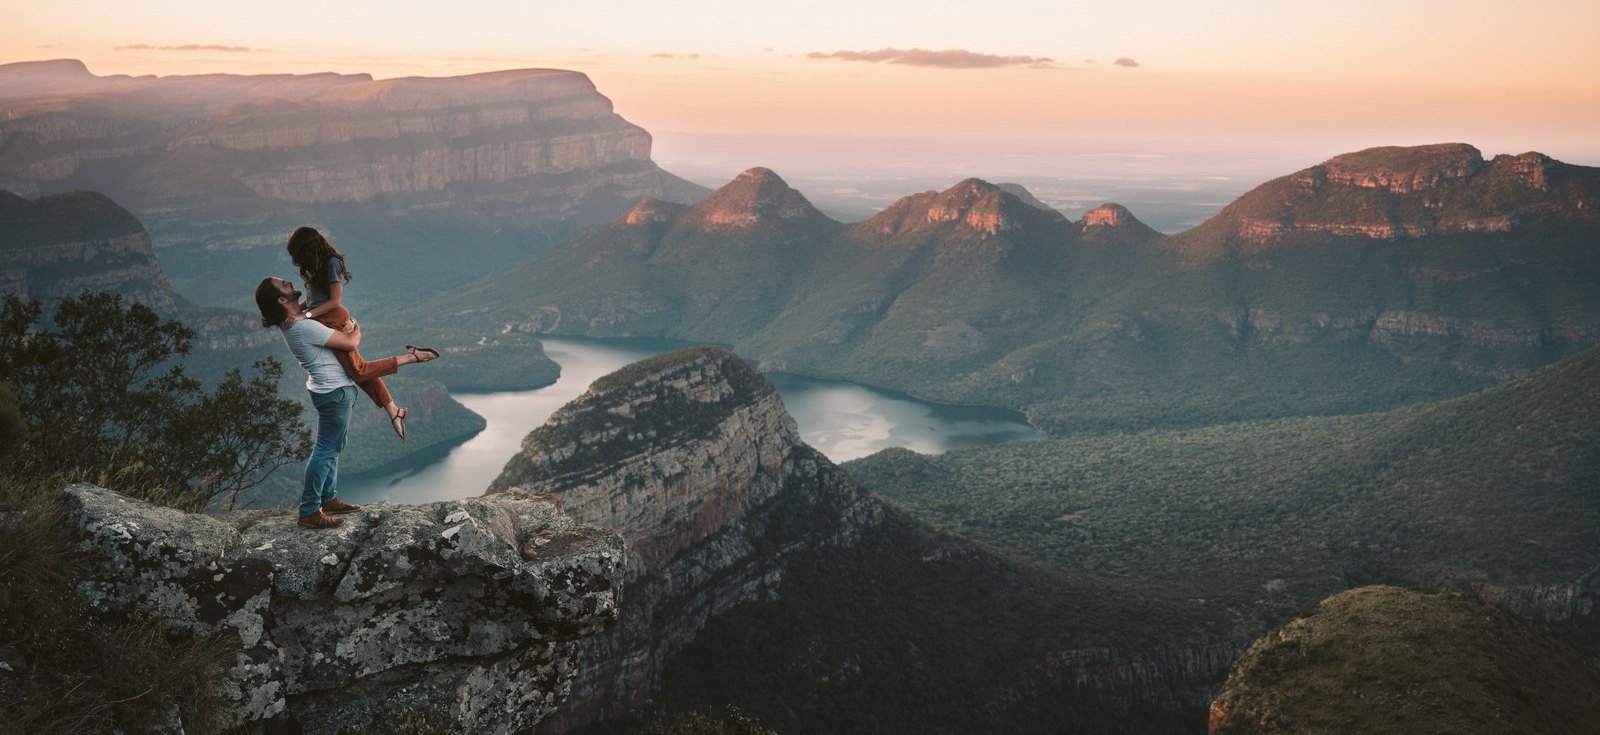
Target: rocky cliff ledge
(467,609)
(692,457)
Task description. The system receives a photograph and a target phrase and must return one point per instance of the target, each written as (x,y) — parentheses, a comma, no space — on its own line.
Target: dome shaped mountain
(1402,193)
(1388,659)
(972,209)
(972,294)
(651,210)
(1113,223)
(756,198)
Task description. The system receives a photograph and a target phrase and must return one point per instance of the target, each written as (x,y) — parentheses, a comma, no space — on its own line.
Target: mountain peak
(972,207)
(53,67)
(1401,193)
(754,197)
(1112,223)
(650,210)
(676,397)
(1332,664)
(1110,214)
(1403,169)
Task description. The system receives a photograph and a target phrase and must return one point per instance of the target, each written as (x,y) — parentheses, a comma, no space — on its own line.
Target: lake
(843,420)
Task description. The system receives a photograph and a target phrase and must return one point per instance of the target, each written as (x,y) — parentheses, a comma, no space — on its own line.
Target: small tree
(99,394)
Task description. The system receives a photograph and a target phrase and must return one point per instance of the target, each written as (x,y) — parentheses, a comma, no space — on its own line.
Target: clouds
(1125,61)
(665,55)
(946,59)
(190,47)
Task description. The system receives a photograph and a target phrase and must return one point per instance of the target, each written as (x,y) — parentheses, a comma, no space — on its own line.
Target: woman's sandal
(419,352)
(398,421)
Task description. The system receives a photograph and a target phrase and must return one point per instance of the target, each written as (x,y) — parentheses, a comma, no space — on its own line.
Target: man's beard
(295,296)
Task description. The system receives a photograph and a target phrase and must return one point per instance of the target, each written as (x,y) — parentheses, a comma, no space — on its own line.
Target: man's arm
(346,340)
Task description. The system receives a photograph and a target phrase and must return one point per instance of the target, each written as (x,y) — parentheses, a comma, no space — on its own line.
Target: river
(843,420)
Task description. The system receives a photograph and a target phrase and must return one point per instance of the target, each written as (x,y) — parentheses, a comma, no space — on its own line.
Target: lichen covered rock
(467,609)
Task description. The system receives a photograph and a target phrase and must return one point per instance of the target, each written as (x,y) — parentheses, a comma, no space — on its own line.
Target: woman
(322,266)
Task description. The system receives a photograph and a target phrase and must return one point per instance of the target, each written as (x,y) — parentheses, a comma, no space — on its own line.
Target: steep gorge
(759,575)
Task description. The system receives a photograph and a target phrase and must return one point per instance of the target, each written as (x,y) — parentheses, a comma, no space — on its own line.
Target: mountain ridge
(221,168)
(973,295)
(1391,192)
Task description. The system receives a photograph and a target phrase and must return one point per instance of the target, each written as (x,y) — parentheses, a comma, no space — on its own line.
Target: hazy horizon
(725,86)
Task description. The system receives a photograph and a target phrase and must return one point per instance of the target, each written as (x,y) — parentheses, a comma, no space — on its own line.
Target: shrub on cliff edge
(100,393)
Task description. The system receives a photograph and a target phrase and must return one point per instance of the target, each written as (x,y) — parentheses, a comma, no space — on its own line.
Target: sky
(930,76)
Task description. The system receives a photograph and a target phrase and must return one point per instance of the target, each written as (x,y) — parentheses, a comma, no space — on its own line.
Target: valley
(960,461)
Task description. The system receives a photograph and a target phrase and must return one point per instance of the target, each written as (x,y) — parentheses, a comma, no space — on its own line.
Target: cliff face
(1369,287)
(1401,193)
(693,459)
(224,162)
(467,609)
(60,245)
(973,209)
(330,139)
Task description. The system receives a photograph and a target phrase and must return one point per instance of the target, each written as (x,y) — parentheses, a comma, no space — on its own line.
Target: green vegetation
(74,671)
(912,631)
(1106,331)
(1232,528)
(95,398)
(727,720)
(489,362)
(731,722)
(590,437)
(1389,660)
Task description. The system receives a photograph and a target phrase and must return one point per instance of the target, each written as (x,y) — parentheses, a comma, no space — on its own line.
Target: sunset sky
(1135,75)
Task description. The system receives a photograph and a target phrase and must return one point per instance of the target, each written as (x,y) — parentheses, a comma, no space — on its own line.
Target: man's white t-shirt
(308,341)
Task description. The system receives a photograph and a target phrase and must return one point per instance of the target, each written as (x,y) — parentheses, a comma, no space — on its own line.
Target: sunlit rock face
(1402,193)
(693,459)
(468,610)
(757,197)
(1404,170)
(532,143)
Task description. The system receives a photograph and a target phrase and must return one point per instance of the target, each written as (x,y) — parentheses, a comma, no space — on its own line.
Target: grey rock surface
(692,457)
(468,609)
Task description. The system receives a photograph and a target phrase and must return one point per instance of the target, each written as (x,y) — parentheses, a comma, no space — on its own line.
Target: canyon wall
(224,162)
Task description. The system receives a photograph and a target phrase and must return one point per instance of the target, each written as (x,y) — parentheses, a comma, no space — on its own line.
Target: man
(332,393)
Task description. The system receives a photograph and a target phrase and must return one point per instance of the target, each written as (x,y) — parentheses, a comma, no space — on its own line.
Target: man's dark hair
(272,312)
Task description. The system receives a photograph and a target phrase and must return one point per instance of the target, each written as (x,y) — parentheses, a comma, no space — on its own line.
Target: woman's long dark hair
(310,251)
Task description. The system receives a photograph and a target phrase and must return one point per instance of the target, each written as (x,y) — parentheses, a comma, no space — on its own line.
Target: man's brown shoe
(338,505)
(317,520)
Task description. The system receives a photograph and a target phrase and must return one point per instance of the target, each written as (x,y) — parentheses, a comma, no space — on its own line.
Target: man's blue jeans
(322,470)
